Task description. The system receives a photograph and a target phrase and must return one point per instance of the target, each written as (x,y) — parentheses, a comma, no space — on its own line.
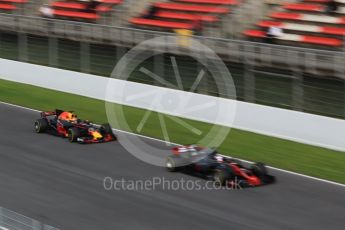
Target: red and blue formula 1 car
(208,163)
(66,124)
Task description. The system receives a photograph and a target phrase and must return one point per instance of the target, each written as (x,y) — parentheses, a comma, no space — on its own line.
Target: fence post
(120,52)
(206,82)
(297,91)
(22,47)
(344,99)
(249,83)
(0,41)
(204,85)
(159,66)
(85,57)
(53,44)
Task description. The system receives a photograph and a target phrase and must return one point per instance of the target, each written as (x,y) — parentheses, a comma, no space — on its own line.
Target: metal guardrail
(312,61)
(10,220)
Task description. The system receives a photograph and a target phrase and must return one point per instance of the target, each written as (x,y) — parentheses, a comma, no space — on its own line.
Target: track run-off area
(62,184)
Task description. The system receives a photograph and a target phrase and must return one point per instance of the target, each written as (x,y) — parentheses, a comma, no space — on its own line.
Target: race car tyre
(41,125)
(106,129)
(174,163)
(73,134)
(221,175)
(259,169)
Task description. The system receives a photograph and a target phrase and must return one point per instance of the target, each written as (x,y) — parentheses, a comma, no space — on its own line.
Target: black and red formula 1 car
(66,124)
(208,163)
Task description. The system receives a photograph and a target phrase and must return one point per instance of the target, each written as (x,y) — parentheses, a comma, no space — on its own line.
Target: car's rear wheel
(73,134)
(41,125)
(221,176)
(259,170)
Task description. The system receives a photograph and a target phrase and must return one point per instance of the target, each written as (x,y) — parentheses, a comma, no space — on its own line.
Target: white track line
(158,140)
(3,228)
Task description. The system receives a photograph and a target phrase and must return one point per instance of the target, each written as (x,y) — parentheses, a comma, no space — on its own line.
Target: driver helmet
(68,116)
(219,158)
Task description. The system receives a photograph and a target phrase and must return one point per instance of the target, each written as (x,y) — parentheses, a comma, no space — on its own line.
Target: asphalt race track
(61,184)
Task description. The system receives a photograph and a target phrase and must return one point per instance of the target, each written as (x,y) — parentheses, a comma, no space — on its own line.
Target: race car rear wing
(185,149)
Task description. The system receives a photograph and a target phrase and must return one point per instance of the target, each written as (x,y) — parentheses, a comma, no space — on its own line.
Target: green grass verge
(289,155)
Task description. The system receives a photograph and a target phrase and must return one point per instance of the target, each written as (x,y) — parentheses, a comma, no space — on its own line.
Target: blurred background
(287,54)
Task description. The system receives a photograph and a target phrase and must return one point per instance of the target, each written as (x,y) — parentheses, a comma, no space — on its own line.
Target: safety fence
(302,127)
(289,88)
(10,220)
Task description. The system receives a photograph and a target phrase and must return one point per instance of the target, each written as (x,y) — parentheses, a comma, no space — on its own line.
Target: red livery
(208,163)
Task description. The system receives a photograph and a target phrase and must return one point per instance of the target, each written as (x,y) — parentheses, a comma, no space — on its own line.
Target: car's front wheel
(174,163)
(106,129)
(170,164)
(73,134)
